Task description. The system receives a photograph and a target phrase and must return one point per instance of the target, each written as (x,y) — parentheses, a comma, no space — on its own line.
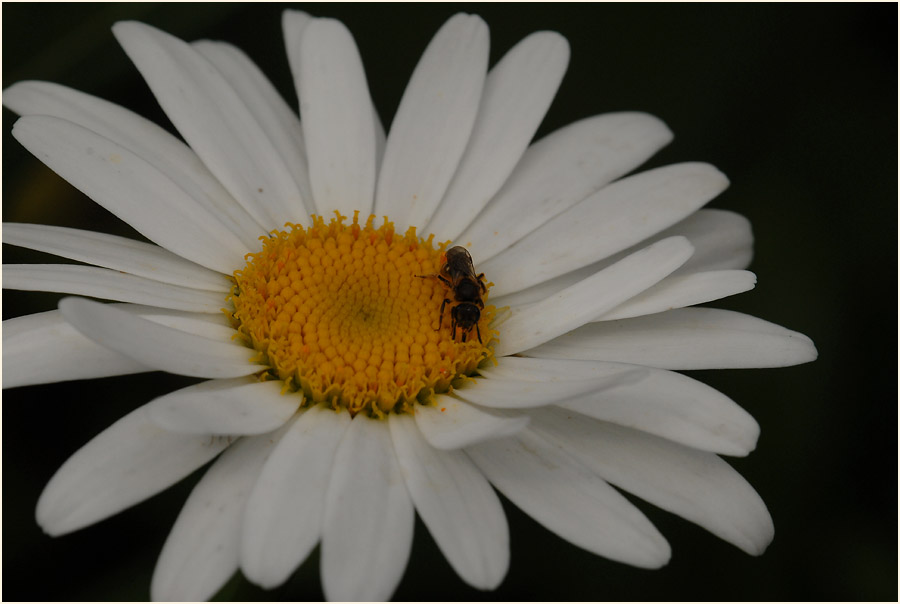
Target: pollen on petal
(350,314)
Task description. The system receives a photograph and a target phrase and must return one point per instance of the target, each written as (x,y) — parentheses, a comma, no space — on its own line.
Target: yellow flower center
(349,314)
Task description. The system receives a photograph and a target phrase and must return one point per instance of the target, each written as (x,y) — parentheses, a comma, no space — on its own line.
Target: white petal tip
(12,93)
(165,593)
(651,555)
(718,176)
(124,28)
(554,42)
(742,447)
(739,437)
(50,530)
(811,351)
(52,521)
(664,132)
(756,545)
(707,179)
(802,347)
(262,577)
(661,556)
(292,13)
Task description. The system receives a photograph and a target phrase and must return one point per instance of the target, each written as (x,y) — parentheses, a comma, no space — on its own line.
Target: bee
(458,274)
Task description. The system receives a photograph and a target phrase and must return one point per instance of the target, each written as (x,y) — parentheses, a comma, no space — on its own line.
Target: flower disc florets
(349,314)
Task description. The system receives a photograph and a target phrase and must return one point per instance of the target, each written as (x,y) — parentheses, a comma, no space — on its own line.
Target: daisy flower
(388,324)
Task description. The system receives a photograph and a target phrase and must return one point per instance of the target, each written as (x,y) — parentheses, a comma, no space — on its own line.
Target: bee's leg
(478,331)
(464,336)
(437,276)
(441,316)
(481,282)
(453,326)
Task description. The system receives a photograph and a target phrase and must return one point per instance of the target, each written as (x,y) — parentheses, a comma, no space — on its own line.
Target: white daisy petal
(494,391)
(546,289)
(369,516)
(561,371)
(557,371)
(156,345)
(433,122)
(109,285)
(456,503)
(132,189)
(237,406)
(128,462)
(453,424)
(293,22)
(211,326)
(533,325)
(560,170)
(274,116)
(722,240)
(117,253)
(672,406)
(143,138)
(380,140)
(338,117)
(201,552)
(283,519)
(678,291)
(657,401)
(517,93)
(216,122)
(569,499)
(609,221)
(695,485)
(685,338)
(43,348)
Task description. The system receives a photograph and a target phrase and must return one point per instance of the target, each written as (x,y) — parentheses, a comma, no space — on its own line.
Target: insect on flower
(458,274)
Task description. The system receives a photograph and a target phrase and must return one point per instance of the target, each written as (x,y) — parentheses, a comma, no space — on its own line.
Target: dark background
(795,103)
